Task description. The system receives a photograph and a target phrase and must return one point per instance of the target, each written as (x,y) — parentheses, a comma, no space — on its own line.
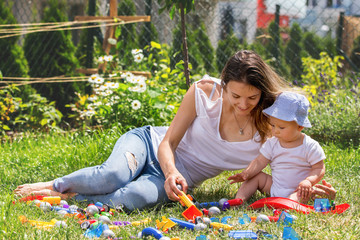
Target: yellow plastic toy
(165,224)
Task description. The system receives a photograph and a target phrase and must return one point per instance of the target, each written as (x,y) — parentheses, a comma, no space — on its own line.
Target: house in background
(322,15)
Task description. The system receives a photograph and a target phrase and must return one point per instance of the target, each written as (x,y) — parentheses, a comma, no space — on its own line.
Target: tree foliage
(12,60)
(53,54)
(293,51)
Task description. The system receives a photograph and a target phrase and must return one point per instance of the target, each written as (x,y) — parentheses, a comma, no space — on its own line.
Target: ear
(300,128)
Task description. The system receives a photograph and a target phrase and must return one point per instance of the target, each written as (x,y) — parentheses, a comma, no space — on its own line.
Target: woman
(219,126)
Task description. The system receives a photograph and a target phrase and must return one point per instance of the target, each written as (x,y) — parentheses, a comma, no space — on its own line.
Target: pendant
(241,131)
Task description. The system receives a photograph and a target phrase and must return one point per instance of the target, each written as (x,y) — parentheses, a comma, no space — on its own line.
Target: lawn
(35,158)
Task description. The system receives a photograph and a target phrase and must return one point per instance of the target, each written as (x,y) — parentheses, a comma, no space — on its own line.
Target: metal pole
(340,33)
(277,34)
(148,24)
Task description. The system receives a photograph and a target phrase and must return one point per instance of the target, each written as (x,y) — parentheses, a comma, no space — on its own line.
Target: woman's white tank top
(202,153)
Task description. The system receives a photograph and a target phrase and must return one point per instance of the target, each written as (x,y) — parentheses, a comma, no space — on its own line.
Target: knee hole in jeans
(132,163)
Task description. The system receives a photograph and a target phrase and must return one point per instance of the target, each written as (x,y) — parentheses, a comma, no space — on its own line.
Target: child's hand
(239,177)
(304,189)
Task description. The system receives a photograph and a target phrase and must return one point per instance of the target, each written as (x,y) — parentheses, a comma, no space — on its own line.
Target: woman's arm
(166,153)
(326,190)
(256,165)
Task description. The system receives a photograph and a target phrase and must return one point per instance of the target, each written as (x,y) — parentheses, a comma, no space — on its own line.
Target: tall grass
(44,157)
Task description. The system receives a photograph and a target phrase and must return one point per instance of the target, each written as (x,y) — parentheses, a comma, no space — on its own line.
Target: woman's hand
(171,182)
(324,190)
(239,177)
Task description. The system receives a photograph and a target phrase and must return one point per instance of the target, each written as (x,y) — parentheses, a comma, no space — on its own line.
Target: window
(329,3)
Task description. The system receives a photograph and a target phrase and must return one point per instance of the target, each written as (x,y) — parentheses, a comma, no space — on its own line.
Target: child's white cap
(290,106)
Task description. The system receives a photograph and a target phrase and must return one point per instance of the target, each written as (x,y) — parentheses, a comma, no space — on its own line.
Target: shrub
(18,115)
(312,46)
(225,49)
(134,100)
(126,34)
(12,60)
(293,51)
(53,54)
(355,53)
(207,53)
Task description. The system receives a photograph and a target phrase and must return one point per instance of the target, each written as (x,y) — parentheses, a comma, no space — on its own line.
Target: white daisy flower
(89,113)
(136,104)
(134,89)
(101,59)
(139,57)
(92,98)
(114,85)
(142,86)
(108,58)
(108,92)
(92,78)
(112,41)
(136,51)
(170,107)
(99,80)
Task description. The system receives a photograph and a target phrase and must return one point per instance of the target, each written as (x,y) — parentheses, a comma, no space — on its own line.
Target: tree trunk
(185,48)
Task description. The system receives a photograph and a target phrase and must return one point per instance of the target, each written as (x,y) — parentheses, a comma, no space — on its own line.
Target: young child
(296,160)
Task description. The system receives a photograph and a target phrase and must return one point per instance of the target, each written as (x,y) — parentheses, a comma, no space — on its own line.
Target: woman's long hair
(248,67)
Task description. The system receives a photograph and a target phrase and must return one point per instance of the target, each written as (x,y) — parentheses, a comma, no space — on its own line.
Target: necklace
(241,129)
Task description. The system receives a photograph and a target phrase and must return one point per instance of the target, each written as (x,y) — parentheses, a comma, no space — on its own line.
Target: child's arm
(256,165)
(316,174)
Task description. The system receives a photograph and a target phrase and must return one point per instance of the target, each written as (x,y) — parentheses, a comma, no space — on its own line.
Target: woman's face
(243,97)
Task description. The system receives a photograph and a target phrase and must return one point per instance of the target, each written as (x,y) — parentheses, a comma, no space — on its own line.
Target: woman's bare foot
(28,189)
(49,192)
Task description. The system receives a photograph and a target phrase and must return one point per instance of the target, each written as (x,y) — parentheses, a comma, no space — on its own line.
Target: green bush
(336,118)
(133,101)
(355,53)
(34,114)
(126,34)
(225,49)
(275,50)
(312,44)
(53,54)
(207,53)
(334,98)
(12,60)
(293,51)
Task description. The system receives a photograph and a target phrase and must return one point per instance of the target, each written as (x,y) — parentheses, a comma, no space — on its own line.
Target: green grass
(45,157)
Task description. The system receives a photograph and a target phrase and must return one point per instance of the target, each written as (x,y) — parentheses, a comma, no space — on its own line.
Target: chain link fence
(281,31)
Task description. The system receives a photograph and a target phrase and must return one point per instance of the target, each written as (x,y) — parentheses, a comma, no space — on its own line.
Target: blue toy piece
(285,219)
(322,205)
(95,230)
(245,219)
(242,234)
(225,219)
(150,231)
(290,233)
(183,224)
(201,237)
(207,204)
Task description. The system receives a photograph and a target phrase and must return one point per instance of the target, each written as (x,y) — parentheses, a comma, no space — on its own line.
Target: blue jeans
(131,176)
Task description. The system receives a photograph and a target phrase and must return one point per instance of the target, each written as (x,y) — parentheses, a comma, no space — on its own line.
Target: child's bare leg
(28,189)
(261,182)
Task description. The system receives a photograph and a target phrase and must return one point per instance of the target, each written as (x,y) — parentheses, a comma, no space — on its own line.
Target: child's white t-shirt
(290,166)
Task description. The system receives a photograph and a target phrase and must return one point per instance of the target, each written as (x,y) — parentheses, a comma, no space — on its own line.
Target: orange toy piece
(191,213)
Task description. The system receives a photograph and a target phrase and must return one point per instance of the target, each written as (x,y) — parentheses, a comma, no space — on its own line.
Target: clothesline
(61,26)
